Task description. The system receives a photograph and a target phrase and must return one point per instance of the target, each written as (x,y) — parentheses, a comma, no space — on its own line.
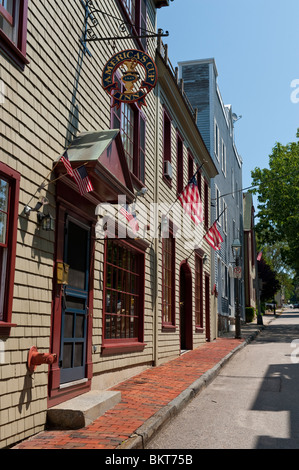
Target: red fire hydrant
(36,359)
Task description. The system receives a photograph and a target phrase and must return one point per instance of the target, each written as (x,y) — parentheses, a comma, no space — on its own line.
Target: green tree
(278,202)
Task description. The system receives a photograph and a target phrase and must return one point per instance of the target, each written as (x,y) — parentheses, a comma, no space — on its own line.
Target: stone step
(82,410)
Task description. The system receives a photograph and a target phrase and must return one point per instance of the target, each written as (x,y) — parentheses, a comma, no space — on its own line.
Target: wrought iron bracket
(91,22)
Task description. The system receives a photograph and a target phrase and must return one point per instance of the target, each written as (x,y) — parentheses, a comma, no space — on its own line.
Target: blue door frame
(75,302)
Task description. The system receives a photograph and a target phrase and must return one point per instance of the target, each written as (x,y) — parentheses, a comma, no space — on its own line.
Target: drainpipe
(156,235)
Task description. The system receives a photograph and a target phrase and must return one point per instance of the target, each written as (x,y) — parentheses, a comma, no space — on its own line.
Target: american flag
(65,159)
(213,237)
(191,202)
(259,256)
(82,180)
(131,218)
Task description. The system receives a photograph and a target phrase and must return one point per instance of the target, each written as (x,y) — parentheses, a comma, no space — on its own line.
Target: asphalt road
(252,404)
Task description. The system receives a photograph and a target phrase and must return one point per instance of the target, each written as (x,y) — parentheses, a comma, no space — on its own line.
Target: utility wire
(254,186)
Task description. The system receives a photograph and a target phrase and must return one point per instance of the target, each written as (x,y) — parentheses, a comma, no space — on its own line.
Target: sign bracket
(128,30)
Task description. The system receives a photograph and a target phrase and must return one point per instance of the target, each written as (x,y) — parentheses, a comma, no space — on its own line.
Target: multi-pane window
(168,309)
(13,28)
(136,11)
(127,133)
(9,189)
(6,11)
(199,182)
(166,137)
(223,158)
(123,290)
(4,207)
(216,140)
(206,203)
(198,291)
(130,7)
(224,217)
(190,166)
(180,165)
(131,122)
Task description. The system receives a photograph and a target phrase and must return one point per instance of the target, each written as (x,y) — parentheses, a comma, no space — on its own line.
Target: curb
(145,432)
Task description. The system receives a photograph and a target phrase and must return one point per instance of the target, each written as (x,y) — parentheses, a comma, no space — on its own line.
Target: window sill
(168,328)
(136,181)
(12,51)
(199,329)
(122,348)
(5,328)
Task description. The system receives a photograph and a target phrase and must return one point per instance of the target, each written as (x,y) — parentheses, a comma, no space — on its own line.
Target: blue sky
(256,48)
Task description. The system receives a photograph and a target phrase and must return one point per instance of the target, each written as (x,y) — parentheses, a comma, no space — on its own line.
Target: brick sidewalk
(141,397)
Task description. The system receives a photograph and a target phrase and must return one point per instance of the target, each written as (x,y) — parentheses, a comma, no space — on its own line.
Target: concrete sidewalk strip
(150,399)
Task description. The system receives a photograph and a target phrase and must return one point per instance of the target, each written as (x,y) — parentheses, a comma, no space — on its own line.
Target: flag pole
(173,204)
(61,176)
(207,232)
(42,185)
(178,196)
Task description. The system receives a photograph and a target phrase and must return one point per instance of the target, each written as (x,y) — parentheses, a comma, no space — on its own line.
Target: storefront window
(124,275)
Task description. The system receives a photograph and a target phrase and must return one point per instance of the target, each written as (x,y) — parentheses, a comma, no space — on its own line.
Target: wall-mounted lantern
(46,221)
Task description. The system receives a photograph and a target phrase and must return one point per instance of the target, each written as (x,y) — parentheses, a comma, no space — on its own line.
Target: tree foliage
(278,202)
(269,279)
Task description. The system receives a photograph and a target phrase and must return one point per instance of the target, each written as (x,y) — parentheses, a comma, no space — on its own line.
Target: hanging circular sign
(135,87)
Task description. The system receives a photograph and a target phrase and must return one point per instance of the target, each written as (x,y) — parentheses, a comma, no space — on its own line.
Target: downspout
(156,235)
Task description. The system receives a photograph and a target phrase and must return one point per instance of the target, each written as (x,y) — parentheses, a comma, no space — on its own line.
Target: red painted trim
(7,16)
(199,326)
(207,306)
(180,163)
(84,214)
(122,348)
(206,204)
(184,267)
(190,165)
(172,324)
(17,52)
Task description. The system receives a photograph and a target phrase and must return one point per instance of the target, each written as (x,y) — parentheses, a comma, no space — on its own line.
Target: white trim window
(224,217)
(217,203)
(223,157)
(216,140)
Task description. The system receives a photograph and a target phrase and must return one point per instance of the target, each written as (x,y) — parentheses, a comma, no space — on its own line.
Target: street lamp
(236,248)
